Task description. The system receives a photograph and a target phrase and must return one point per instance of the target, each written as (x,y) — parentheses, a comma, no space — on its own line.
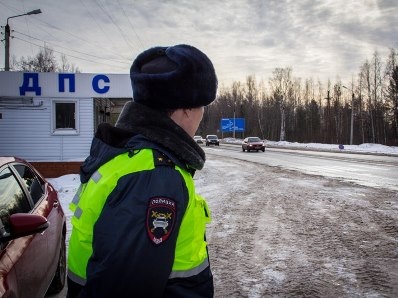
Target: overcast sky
(322,39)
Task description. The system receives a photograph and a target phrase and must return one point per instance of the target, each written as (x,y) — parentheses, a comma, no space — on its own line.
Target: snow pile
(369,148)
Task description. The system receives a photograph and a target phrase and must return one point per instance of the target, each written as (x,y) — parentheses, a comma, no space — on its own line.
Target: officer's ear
(178,116)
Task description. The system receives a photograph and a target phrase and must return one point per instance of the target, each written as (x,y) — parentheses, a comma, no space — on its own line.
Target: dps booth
(49,119)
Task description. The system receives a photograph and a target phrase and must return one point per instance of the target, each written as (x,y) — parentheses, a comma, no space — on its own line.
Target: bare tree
(66,66)
(281,87)
(365,75)
(360,106)
(377,97)
(262,97)
(393,96)
(45,61)
(391,91)
(251,104)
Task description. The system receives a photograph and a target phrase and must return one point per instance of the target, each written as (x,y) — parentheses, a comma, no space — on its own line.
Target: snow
(279,253)
(362,148)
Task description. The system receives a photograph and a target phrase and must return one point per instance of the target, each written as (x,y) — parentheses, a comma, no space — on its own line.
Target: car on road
(212,140)
(253,143)
(198,139)
(32,232)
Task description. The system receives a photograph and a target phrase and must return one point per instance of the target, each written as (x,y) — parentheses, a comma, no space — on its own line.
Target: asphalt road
(282,233)
(379,171)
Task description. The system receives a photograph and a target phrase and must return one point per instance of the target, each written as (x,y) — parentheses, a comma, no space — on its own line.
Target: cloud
(319,39)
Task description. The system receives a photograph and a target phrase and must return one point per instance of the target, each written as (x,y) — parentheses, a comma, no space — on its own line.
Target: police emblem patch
(160,219)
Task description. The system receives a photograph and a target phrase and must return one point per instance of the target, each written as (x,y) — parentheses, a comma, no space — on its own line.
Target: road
(279,232)
(297,224)
(378,171)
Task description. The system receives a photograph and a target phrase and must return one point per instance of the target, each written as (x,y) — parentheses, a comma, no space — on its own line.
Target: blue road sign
(228,124)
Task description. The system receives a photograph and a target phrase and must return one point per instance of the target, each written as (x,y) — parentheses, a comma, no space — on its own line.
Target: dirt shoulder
(285,234)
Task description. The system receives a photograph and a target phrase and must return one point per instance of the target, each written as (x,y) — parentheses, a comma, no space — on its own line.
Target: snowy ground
(279,233)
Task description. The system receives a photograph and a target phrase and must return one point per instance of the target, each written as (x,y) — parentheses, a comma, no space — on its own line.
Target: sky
(320,39)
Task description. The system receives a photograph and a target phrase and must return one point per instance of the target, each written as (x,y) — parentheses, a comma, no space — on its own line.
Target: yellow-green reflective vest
(190,252)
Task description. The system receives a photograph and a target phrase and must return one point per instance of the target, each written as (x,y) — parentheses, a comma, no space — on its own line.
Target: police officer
(138,224)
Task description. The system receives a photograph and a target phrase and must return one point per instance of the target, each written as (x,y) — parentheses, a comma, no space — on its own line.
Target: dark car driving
(253,143)
(212,140)
(32,232)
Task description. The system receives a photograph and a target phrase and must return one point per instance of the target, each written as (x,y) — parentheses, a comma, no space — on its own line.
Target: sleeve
(135,236)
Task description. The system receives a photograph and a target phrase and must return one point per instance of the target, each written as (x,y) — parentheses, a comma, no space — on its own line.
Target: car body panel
(253,143)
(28,264)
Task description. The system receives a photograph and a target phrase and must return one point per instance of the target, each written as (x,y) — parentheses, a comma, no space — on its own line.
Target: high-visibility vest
(191,248)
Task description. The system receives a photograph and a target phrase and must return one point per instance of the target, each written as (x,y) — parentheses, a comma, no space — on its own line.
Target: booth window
(65,117)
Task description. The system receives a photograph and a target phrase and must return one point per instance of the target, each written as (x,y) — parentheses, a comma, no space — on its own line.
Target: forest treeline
(288,108)
(293,109)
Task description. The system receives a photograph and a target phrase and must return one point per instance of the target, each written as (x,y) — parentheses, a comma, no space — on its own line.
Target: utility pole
(352,117)
(327,119)
(7,38)
(234,123)
(7,48)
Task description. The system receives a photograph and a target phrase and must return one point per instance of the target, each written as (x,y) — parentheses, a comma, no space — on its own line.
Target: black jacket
(125,262)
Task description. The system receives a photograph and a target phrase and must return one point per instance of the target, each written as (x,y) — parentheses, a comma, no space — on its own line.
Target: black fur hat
(173,77)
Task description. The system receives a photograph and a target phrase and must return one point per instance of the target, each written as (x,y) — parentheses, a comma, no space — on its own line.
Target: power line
(27,24)
(54,45)
(100,5)
(131,25)
(97,62)
(9,7)
(94,18)
(52,26)
(84,40)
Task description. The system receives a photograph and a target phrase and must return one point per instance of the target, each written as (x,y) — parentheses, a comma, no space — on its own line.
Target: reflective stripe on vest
(191,252)
(190,272)
(76,198)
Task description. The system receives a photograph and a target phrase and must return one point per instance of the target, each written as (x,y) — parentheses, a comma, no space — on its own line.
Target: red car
(253,143)
(32,232)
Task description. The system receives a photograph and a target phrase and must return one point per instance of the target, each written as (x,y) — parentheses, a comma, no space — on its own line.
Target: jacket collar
(159,128)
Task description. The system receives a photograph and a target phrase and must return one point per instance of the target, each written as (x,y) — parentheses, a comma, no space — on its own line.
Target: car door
(44,201)
(26,257)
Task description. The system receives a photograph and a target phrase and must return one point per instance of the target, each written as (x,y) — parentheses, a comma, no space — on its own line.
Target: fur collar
(159,128)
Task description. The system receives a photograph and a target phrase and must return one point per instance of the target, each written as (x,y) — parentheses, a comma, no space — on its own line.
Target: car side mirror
(23,224)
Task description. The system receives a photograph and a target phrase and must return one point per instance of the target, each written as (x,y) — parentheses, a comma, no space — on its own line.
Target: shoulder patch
(160,219)
(160,159)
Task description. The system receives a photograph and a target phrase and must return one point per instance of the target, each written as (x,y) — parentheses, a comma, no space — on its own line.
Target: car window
(12,198)
(33,183)
(254,140)
(212,137)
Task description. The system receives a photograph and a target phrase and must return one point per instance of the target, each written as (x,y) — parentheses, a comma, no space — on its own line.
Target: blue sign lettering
(61,81)
(233,124)
(96,87)
(30,84)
